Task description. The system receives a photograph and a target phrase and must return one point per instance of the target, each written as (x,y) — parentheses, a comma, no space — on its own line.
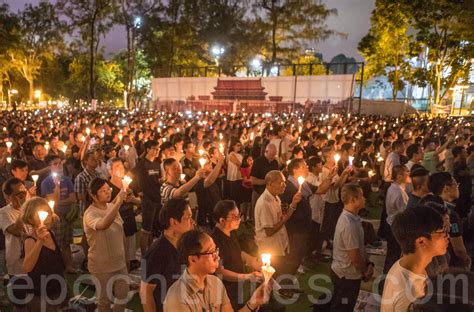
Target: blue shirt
(66,188)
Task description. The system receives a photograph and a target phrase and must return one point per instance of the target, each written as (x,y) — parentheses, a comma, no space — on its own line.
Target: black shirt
(126,213)
(300,220)
(35,165)
(231,259)
(260,168)
(161,268)
(148,173)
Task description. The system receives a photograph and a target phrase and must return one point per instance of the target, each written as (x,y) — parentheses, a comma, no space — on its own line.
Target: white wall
(331,87)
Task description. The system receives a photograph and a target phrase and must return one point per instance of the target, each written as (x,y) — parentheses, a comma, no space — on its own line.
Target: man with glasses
(11,224)
(445,186)
(161,267)
(197,289)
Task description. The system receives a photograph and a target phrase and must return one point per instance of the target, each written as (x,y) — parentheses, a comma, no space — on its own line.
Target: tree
(287,25)
(40,35)
(444,35)
(93,19)
(8,38)
(386,46)
(341,64)
(310,65)
(130,14)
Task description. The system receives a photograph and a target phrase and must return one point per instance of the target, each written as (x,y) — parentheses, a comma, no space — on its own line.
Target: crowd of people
(186,182)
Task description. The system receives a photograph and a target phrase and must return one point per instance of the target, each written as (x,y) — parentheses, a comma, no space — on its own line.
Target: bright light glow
(51,204)
(256,63)
(42,216)
(266,259)
(351,159)
(182,176)
(336,158)
(202,161)
(35,178)
(301,180)
(217,50)
(126,181)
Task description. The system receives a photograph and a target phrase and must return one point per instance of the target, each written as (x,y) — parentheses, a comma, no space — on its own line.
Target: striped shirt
(81,186)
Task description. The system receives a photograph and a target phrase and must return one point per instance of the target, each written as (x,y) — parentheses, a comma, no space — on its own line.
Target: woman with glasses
(227,218)
(103,227)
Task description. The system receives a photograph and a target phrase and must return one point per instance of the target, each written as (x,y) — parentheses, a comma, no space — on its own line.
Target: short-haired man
(414,154)
(446,187)
(396,201)
(419,180)
(393,159)
(19,169)
(463,177)
(10,222)
(161,267)
(270,231)
(350,263)
(261,166)
(197,289)
(38,165)
(422,235)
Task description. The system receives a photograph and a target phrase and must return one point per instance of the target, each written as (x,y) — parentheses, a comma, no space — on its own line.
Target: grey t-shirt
(349,235)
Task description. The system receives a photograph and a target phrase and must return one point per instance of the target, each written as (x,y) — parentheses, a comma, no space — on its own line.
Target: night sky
(353,19)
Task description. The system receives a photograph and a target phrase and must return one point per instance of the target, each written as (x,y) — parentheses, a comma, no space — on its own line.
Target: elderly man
(261,166)
(271,234)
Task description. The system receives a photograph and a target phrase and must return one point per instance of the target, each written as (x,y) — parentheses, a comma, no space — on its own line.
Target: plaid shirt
(81,185)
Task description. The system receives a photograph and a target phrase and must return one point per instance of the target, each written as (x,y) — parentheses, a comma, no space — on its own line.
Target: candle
(88,131)
(9,144)
(42,216)
(64,148)
(202,161)
(221,148)
(251,136)
(182,176)
(46,146)
(51,205)
(9,159)
(267,269)
(126,181)
(201,152)
(371,173)
(351,159)
(300,182)
(35,178)
(126,147)
(336,158)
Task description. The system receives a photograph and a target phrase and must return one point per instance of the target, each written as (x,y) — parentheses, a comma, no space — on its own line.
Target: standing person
(38,165)
(12,225)
(396,202)
(19,170)
(190,165)
(128,155)
(104,230)
(414,154)
(463,177)
(261,166)
(422,235)
(81,185)
(270,230)
(197,289)
(161,259)
(233,171)
(148,176)
(60,189)
(227,218)
(350,263)
(43,259)
(431,154)
(245,169)
(116,170)
(393,159)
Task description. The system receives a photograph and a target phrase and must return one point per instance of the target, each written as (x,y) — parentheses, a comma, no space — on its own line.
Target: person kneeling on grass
(197,289)
(422,235)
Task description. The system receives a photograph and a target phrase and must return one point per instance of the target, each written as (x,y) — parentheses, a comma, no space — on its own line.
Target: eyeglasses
(214,253)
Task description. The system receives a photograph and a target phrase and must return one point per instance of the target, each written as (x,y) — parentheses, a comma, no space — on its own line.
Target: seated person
(422,235)
(197,289)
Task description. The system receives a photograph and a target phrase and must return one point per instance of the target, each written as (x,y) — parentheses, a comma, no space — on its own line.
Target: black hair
(346,147)
(95,185)
(222,209)
(435,202)
(457,150)
(18,164)
(7,187)
(51,157)
(244,160)
(438,181)
(413,223)
(295,164)
(396,144)
(173,209)
(412,150)
(190,244)
(313,162)
(397,170)
(150,144)
(168,162)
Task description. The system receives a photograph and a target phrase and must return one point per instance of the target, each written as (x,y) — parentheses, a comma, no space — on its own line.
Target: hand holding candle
(267,269)
(126,182)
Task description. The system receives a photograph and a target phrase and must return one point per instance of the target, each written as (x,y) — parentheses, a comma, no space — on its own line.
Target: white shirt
(402,287)
(284,149)
(396,201)
(267,214)
(13,244)
(332,195)
(392,160)
(316,201)
(233,172)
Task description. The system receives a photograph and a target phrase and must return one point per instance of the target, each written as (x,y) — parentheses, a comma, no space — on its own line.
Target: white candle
(51,205)
(351,159)
(371,173)
(202,161)
(364,163)
(126,147)
(9,159)
(88,131)
(126,181)
(64,148)
(182,176)
(201,152)
(42,216)
(9,144)
(336,158)
(267,269)
(300,182)
(35,178)
(221,148)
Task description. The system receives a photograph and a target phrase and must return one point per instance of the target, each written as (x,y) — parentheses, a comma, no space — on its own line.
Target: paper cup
(267,273)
